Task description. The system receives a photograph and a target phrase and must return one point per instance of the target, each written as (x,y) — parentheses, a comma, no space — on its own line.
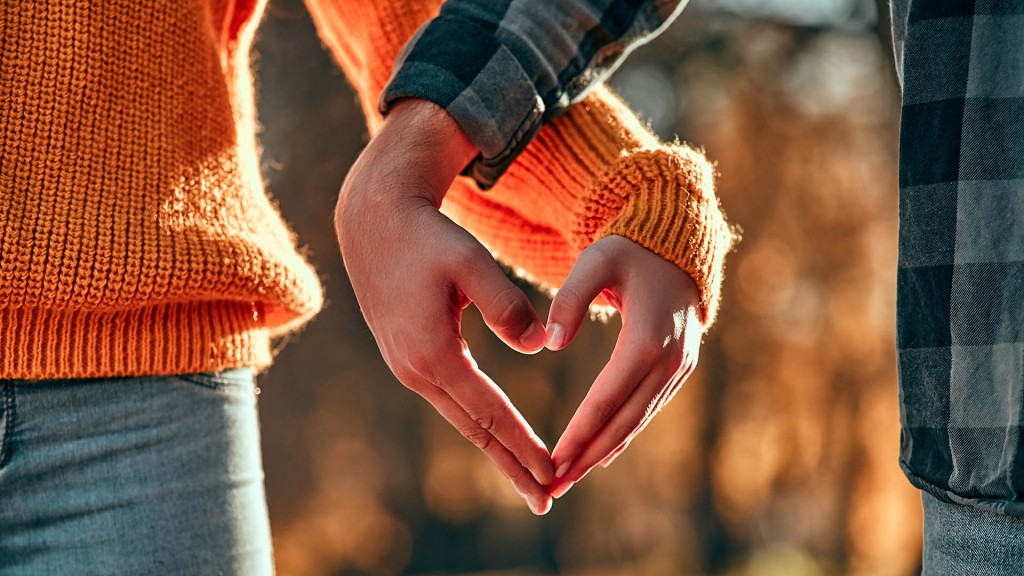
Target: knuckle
(407,376)
(491,419)
(512,308)
(485,422)
(604,409)
(624,431)
(429,360)
(421,363)
(471,259)
(519,477)
(479,437)
(465,257)
(571,298)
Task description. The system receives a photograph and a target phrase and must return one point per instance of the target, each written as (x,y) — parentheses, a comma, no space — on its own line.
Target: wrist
(664,200)
(426,145)
(410,163)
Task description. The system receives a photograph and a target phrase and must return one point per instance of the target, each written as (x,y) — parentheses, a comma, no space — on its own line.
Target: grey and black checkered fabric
(501,68)
(960,307)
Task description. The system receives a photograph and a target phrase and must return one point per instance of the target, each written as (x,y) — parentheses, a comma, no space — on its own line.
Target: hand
(413,271)
(656,350)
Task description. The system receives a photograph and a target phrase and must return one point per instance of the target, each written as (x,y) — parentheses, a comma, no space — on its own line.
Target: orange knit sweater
(135,235)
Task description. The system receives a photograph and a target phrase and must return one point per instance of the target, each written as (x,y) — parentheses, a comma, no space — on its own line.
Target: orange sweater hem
(165,339)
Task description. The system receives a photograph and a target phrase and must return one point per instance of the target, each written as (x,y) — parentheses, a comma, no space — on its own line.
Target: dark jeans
(963,540)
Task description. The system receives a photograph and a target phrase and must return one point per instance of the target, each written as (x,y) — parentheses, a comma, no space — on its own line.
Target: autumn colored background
(778,457)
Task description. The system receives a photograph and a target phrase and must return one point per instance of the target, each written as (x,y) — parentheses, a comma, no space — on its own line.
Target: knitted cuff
(664,200)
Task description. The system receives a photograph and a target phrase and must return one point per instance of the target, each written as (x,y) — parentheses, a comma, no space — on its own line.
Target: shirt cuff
(460,66)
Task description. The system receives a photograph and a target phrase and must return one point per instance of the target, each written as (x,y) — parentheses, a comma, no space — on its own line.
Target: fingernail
(563,469)
(536,506)
(543,505)
(533,337)
(556,336)
(534,503)
(561,490)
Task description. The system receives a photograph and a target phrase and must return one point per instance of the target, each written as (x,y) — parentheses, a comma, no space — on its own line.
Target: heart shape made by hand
(655,352)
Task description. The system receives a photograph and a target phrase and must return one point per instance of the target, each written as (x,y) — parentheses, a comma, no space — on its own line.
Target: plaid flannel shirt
(960,302)
(501,68)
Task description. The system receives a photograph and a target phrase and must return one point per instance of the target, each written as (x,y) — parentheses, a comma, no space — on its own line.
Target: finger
(535,495)
(666,396)
(589,276)
(504,307)
(437,353)
(679,354)
(608,461)
(486,404)
(630,363)
(640,405)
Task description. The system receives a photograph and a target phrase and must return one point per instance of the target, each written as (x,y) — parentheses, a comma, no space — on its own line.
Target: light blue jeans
(151,475)
(965,541)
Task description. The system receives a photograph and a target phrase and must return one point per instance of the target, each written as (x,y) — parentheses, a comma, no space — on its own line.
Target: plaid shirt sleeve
(960,302)
(502,68)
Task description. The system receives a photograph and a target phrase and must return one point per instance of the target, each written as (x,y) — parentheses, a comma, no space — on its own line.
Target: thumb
(504,307)
(591,274)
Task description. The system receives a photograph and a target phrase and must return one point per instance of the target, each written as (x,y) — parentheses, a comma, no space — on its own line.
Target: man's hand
(413,271)
(656,350)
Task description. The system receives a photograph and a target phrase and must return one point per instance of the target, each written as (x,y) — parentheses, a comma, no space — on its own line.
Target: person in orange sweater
(144,272)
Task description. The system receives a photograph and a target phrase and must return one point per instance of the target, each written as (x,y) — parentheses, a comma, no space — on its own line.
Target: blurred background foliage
(778,457)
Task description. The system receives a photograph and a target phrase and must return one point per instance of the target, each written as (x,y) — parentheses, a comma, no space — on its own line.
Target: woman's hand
(656,350)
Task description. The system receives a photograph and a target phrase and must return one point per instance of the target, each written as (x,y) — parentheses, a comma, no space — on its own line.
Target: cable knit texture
(135,234)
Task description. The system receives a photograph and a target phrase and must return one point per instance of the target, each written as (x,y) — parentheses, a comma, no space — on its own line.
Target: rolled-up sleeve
(501,69)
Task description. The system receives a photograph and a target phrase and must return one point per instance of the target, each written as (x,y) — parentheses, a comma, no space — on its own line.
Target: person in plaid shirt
(960,283)
(960,311)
